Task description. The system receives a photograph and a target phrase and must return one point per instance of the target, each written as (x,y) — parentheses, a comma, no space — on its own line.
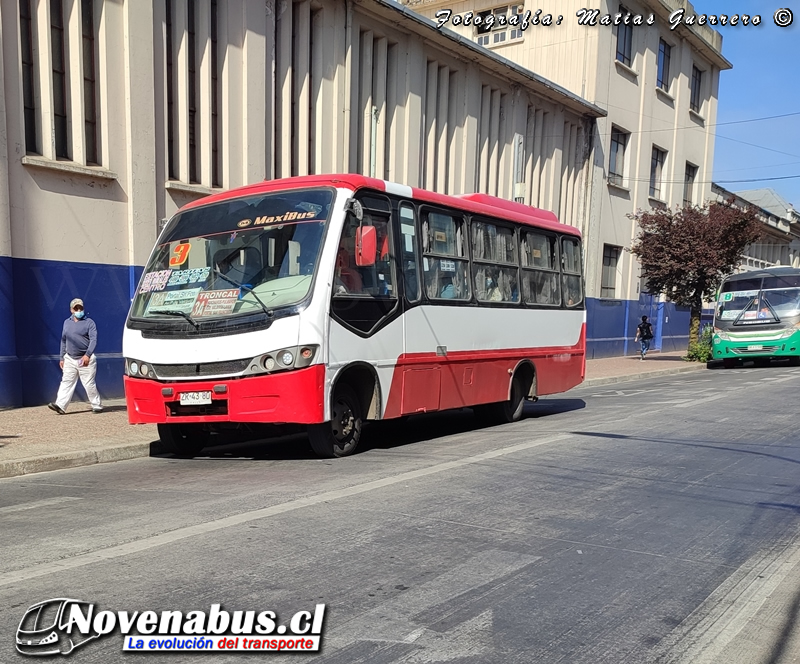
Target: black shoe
(57,408)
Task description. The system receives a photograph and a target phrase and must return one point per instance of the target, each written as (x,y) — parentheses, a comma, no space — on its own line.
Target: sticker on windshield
(215,303)
(181,300)
(155,281)
(195,275)
(181,254)
(286,216)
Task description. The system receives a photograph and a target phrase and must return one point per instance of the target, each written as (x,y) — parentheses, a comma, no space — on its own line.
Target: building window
(608,280)
(496,26)
(697,81)
(216,178)
(624,40)
(656,170)
(59,79)
(616,161)
(688,189)
(192,80)
(664,51)
(28,75)
(170,98)
(89,81)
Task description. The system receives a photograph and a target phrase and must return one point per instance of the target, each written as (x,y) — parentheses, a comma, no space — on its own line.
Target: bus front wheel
(183,440)
(340,436)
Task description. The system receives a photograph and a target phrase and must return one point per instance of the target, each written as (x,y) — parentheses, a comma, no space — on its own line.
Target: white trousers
(69,380)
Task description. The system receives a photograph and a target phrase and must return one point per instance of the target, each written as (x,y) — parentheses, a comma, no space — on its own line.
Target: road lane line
(178,534)
(47,502)
(703,636)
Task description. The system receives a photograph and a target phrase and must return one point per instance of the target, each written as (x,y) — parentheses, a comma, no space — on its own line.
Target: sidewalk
(34,440)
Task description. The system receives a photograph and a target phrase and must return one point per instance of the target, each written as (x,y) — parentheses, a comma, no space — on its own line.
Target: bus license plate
(195,398)
(755,347)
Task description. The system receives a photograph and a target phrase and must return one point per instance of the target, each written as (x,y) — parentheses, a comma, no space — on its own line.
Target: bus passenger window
(571,267)
(444,262)
(540,278)
(494,250)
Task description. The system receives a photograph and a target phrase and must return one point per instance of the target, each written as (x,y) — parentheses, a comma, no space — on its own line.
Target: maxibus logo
(58,626)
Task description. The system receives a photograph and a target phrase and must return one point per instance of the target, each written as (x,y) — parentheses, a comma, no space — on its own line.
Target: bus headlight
(50,638)
(133,367)
(721,334)
(296,357)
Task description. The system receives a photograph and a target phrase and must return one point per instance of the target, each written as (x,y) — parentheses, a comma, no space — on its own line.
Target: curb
(610,380)
(45,463)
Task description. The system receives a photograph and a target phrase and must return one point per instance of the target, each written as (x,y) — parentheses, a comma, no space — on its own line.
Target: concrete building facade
(116,113)
(657,77)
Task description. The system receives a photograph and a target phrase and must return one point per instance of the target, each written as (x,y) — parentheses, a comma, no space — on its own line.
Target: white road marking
(35,504)
(147,543)
(709,629)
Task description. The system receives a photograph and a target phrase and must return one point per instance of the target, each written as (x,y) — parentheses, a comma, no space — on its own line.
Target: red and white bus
(330,300)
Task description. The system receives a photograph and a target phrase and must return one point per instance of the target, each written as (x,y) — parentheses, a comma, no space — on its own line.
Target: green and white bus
(757,317)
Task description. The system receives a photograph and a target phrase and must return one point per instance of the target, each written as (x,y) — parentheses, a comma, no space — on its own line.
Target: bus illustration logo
(45,628)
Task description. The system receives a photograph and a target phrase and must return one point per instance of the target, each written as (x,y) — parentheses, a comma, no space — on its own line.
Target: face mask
(78,314)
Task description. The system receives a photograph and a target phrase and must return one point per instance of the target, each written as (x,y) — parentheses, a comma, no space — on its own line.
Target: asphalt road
(631,523)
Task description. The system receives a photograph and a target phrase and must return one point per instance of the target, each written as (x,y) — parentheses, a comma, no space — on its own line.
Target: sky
(764,82)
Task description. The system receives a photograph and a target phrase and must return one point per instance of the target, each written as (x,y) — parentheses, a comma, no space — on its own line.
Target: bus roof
(766,272)
(479,204)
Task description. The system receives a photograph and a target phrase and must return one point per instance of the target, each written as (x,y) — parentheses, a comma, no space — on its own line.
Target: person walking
(78,341)
(644,332)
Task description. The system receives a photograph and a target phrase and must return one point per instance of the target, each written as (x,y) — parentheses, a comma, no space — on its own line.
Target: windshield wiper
(181,313)
(269,313)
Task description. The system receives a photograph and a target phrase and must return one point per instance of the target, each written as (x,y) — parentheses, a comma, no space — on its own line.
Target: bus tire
(729,363)
(505,412)
(183,440)
(340,436)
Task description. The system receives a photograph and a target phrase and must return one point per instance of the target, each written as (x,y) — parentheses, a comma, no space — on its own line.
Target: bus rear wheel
(183,440)
(505,412)
(340,436)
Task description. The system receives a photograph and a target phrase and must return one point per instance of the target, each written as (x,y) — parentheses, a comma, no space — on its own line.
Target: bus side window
(571,271)
(408,252)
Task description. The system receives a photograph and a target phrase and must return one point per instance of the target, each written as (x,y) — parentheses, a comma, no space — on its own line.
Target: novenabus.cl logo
(45,629)
(58,626)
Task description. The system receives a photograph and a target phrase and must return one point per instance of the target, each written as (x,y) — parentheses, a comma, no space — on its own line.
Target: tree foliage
(686,253)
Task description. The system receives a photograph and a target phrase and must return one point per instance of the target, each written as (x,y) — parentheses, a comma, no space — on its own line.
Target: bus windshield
(239,256)
(752,302)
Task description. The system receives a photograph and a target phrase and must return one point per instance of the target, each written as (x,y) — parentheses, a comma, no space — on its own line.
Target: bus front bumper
(294,397)
(723,349)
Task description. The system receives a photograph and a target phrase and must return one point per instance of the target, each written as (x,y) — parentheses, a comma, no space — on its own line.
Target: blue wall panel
(42,291)
(10,376)
(611,326)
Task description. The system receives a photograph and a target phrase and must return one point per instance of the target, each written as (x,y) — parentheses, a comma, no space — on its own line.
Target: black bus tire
(340,436)
(504,412)
(183,440)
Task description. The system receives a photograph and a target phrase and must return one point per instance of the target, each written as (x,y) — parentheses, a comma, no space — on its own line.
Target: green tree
(686,253)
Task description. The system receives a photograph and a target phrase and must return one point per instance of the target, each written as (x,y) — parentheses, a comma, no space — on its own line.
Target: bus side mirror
(366,245)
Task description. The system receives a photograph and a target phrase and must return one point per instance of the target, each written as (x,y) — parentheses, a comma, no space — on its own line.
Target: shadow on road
(380,435)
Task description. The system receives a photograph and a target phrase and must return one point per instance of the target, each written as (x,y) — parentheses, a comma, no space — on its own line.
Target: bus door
(421,381)
(364,300)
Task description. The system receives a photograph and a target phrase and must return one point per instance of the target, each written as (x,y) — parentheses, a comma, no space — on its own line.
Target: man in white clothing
(78,341)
